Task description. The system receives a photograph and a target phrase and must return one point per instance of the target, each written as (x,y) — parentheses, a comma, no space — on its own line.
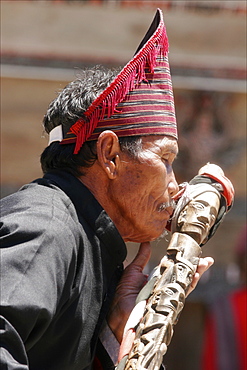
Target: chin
(159,233)
(151,237)
(147,234)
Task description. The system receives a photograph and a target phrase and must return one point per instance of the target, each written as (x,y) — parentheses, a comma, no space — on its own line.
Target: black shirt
(61,258)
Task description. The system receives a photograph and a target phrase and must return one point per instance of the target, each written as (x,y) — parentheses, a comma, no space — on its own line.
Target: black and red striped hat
(139,101)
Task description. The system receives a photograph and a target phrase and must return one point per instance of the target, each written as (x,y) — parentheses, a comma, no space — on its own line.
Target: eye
(165,159)
(197,205)
(168,157)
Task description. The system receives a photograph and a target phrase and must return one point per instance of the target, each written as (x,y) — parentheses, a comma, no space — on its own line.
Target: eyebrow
(169,146)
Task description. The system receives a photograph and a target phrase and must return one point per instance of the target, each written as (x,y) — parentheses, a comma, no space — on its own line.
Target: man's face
(197,218)
(143,190)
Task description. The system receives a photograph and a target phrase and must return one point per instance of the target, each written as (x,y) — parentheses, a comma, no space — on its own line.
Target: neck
(104,194)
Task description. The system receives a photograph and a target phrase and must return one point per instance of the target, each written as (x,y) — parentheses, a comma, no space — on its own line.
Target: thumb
(142,257)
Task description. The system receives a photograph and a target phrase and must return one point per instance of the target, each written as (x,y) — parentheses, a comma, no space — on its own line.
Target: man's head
(131,177)
(118,134)
(134,102)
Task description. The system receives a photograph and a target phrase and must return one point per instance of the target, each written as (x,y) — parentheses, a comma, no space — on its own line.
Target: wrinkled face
(142,193)
(197,218)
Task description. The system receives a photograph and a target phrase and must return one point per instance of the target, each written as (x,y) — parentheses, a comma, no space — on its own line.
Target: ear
(108,150)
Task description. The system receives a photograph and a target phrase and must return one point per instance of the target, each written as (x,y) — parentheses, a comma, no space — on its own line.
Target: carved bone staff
(199,211)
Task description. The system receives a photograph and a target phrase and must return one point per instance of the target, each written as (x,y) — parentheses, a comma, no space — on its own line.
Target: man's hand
(129,286)
(133,281)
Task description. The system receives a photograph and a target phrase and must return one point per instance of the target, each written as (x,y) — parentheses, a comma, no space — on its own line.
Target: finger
(204,264)
(194,282)
(142,257)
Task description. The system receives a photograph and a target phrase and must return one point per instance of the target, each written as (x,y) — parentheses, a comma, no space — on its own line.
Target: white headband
(56,134)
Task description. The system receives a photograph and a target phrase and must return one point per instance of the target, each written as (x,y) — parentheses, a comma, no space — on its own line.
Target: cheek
(131,190)
(135,194)
(134,178)
(212,219)
(142,186)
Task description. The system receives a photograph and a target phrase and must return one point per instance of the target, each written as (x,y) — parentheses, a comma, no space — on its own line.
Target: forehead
(160,143)
(207,197)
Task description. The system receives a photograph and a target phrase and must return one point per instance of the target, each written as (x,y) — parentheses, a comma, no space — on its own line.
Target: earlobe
(108,153)
(110,169)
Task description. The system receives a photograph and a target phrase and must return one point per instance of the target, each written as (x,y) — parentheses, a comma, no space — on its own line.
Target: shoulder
(39,209)
(37,198)
(40,233)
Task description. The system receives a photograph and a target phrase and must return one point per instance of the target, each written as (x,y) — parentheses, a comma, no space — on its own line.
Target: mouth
(168,207)
(200,224)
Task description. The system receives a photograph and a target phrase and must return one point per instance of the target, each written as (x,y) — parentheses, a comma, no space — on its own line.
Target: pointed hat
(139,101)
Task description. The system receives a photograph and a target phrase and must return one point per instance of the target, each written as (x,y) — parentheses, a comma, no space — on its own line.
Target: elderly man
(108,179)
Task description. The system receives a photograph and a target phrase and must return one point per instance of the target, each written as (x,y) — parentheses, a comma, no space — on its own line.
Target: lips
(168,207)
(162,207)
(200,224)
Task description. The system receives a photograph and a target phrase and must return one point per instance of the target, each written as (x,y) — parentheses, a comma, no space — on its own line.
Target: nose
(172,185)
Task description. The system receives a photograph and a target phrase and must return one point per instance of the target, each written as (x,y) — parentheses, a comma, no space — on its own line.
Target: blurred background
(44,44)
